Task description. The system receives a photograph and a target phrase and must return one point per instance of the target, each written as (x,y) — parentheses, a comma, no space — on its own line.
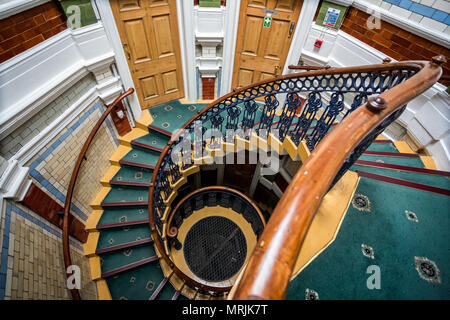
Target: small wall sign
(267,21)
(331,15)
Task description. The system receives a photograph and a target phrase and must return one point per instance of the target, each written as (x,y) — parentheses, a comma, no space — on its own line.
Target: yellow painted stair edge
(94,266)
(96,203)
(92,221)
(103,290)
(130,136)
(327,221)
(120,152)
(429,163)
(145,120)
(109,174)
(91,244)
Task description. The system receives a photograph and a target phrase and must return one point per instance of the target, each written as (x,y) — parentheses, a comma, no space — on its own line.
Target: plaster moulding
(40,74)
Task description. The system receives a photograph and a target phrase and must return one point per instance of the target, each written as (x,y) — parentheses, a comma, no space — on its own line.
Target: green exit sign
(267,22)
(209,3)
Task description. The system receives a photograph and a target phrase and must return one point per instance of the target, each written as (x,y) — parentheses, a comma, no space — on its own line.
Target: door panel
(125,5)
(245,77)
(149,33)
(138,43)
(288,5)
(252,35)
(276,41)
(149,88)
(163,36)
(260,51)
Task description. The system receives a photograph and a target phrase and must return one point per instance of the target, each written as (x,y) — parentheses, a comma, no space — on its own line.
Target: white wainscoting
(34,78)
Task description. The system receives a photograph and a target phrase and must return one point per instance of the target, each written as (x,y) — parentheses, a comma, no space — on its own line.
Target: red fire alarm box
(318,43)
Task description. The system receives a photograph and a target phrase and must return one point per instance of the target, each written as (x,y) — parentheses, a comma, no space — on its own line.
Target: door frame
(107,19)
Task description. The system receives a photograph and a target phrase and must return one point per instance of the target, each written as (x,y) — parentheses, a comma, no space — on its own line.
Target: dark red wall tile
(28,28)
(393,41)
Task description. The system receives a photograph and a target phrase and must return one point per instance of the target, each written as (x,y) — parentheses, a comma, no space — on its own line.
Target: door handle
(127,51)
(291,29)
(276,70)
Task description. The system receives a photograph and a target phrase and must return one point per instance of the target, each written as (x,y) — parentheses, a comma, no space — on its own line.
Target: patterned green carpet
(393,242)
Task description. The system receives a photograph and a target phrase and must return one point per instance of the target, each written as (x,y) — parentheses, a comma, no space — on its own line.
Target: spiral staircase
(172,224)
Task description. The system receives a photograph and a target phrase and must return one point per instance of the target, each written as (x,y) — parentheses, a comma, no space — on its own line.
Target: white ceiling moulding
(401,22)
(12,7)
(33,79)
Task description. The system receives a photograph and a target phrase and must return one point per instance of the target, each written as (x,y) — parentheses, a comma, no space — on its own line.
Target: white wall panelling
(37,76)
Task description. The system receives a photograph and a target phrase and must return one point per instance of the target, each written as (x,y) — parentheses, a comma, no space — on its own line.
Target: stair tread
(172,115)
(126,194)
(167,292)
(153,139)
(119,236)
(404,183)
(411,162)
(140,156)
(114,260)
(432,180)
(384,147)
(133,174)
(117,215)
(403,168)
(136,284)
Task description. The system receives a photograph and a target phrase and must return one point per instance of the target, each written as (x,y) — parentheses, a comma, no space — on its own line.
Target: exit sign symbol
(267,22)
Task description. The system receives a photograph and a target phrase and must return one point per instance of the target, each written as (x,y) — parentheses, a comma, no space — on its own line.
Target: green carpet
(340,271)
(141,156)
(384,147)
(139,283)
(428,179)
(126,194)
(133,174)
(116,236)
(410,162)
(116,259)
(118,214)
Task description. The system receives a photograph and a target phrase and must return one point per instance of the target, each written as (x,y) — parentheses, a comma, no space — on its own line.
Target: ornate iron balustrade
(301,107)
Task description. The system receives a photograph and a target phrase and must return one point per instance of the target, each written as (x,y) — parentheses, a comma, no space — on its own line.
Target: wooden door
(149,33)
(261,51)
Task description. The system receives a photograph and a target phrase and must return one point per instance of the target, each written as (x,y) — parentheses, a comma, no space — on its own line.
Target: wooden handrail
(269,270)
(173,231)
(73,179)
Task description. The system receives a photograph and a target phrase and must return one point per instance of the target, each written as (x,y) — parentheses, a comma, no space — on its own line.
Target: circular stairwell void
(211,233)
(215,248)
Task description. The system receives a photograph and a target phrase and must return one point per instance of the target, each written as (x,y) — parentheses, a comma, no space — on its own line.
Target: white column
(112,33)
(185,15)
